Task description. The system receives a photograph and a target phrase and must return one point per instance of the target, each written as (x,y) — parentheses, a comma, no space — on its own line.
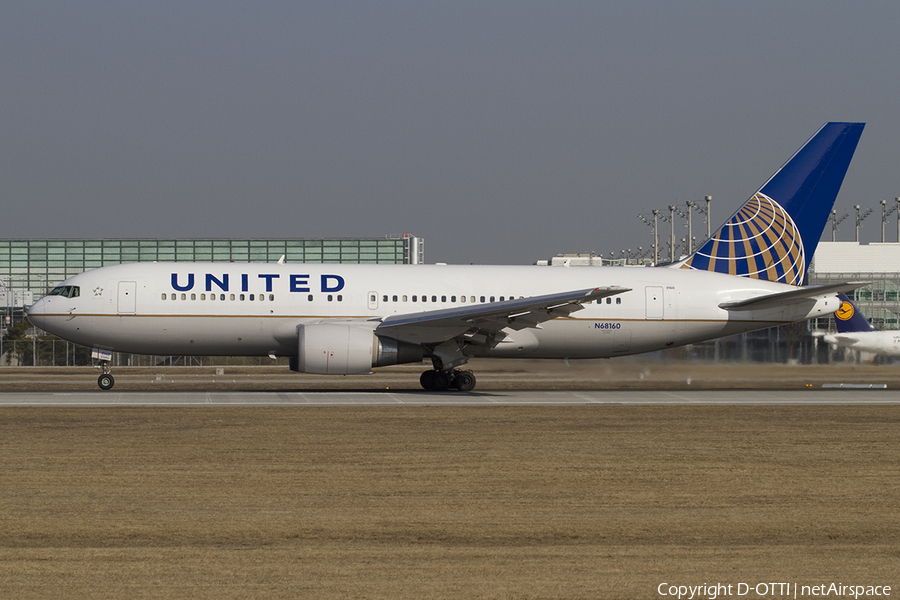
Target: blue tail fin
(774,235)
(848,319)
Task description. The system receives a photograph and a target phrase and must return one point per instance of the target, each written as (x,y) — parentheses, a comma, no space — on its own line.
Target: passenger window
(492,298)
(384,298)
(252,297)
(395,298)
(163,296)
(501,298)
(434,298)
(173,296)
(203,296)
(330,297)
(271,297)
(309,298)
(472,298)
(609,300)
(618,301)
(444,299)
(242,298)
(415,298)
(462,298)
(193,296)
(232,297)
(222,297)
(340,298)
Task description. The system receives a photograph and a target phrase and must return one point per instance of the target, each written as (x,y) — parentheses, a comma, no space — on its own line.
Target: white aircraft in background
(856,333)
(345,319)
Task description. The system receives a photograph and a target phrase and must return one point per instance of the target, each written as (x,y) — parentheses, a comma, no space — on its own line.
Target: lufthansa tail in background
(856,333)
(345,319)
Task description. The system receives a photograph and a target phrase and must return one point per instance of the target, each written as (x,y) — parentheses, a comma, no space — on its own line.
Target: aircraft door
(654,295)
(373,300)
(127,297)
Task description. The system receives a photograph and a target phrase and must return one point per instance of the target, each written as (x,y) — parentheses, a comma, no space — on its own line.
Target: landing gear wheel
(435,381)
(106,381)
(464,381)
(441,381)
(426,380)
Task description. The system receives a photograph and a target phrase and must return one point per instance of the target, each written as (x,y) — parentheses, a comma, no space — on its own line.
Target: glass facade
(38,265)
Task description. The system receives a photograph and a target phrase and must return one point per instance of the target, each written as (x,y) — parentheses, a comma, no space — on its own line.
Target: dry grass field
(444,502)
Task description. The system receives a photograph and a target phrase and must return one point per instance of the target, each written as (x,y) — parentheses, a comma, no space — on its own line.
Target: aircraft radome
(344,319)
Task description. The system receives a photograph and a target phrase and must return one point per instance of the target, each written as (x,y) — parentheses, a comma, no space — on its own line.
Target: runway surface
(412,398)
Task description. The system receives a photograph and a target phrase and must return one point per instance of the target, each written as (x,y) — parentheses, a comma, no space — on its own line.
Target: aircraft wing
(437,326)
(789,297)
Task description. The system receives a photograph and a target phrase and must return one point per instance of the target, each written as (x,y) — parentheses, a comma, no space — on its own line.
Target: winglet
(774,234)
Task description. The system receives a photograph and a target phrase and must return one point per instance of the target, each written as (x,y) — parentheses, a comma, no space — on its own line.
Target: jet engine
(347,349)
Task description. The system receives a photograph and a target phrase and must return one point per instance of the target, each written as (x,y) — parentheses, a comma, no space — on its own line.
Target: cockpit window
(69,291)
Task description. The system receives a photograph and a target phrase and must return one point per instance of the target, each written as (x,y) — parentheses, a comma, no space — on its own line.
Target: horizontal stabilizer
(785,298)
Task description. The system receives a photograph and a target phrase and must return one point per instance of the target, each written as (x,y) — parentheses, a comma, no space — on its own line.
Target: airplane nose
(37,311)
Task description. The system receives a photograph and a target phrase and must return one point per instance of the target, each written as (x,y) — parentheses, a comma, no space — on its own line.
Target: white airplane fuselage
(253,309)
(886,343)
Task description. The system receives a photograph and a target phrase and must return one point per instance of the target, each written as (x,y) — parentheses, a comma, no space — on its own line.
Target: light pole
(884,215)
(706,212)
(655,226)
(672,236)
(690,206)
(898,218)
(835,221)
(860,219)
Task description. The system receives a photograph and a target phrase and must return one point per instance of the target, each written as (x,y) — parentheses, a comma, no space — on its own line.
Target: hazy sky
(500,132)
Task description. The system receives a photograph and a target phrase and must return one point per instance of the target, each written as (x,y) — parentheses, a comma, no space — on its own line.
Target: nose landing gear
(105,381)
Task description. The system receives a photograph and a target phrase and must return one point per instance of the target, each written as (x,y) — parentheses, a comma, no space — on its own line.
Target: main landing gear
(445,357)
(105,381)
(441,381)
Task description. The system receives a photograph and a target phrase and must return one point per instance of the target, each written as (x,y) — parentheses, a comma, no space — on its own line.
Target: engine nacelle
(347,349)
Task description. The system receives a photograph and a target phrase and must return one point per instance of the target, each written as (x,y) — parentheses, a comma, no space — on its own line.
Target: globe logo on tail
(760,241)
